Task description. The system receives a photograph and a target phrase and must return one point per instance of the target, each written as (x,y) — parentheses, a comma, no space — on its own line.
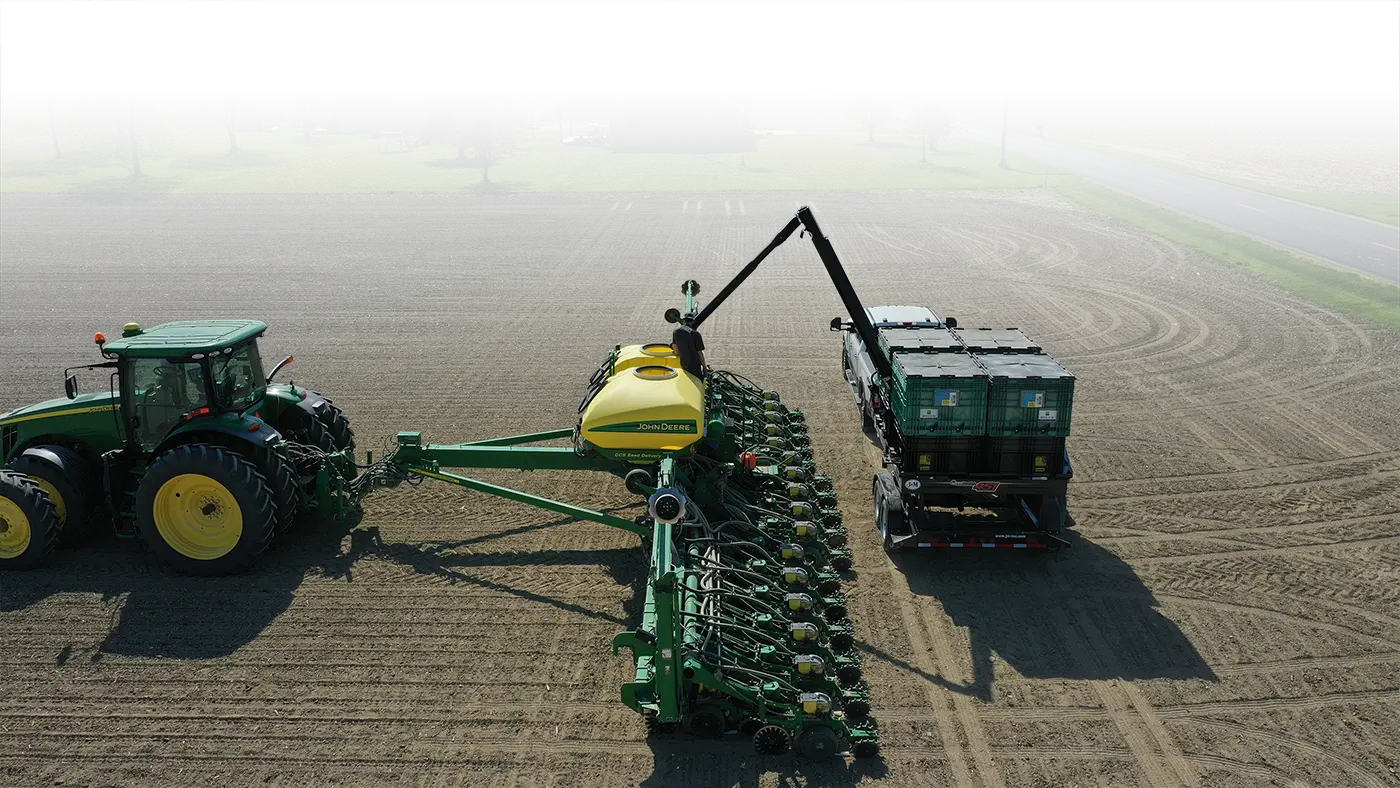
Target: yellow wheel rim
(58,503)
(198,517)
(14,529)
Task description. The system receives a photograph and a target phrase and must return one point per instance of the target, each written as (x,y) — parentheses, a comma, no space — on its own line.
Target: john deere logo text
(649,426)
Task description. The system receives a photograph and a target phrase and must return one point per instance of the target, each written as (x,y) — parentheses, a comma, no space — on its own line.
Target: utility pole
(1005,108)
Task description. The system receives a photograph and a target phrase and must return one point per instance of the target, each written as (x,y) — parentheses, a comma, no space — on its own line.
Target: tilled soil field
(1227,615)
(1308,140)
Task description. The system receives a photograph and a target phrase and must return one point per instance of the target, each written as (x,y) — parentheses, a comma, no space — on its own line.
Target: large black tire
(286,490)
(28,522)
(889,510)
(205,510)
(705,722)
(335,422)
(67,479)
(818,743)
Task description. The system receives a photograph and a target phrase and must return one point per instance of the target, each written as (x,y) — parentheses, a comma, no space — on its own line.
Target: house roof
(605,100)
(700,93)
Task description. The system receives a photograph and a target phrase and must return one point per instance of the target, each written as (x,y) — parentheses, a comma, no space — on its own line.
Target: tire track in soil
(942,637)
(938,699)
(1126,706)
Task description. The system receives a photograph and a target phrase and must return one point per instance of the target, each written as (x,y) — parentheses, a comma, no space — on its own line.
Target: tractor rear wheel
(335,422)
(66,478)
(205,510)
(286,492)
(28,522)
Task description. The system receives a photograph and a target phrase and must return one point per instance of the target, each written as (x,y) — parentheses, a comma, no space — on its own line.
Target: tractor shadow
(1079,614)
(157,613)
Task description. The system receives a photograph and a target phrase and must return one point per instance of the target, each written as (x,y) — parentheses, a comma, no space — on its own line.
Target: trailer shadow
(1079,614)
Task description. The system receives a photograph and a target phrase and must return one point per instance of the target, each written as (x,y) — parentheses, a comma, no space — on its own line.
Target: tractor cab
(177,372)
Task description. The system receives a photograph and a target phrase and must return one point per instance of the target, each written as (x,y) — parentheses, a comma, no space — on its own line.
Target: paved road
(1358,244)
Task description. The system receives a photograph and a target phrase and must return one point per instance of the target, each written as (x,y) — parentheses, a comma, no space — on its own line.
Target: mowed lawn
(287,162)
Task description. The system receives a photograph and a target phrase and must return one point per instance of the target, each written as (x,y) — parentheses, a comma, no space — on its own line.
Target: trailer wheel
(28,522)
(889,510)
(772,740)
(66,478)
(205,510)
(848,675)
(705,722)
(819,743)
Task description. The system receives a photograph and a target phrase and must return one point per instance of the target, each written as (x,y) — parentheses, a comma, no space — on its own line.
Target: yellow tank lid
(633,356)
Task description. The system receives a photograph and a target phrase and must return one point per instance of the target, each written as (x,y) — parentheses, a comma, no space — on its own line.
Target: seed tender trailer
(966,418)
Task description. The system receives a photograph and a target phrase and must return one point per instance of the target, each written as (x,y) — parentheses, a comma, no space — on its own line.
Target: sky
(697,23)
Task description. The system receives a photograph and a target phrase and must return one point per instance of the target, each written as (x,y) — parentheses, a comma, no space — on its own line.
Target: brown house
(678,119)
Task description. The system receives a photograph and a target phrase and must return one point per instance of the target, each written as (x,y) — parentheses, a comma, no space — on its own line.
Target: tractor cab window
(239,381)
(162,393)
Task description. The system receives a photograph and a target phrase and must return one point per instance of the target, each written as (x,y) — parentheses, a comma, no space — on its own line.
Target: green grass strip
(1320,282)
(1383,208)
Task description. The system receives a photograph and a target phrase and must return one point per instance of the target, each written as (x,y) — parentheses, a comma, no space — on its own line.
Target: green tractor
(192,448)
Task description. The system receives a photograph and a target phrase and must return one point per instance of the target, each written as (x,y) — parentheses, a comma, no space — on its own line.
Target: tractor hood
(62,406)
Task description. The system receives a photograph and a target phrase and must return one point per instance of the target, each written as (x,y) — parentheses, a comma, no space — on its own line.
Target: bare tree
(491,136)
(931,124)
(870,108)
(524,108)
(307,102)
(230,107)
(39,112)
(122,122)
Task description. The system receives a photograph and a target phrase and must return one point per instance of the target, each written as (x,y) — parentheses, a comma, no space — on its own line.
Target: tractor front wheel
(28,522)
(205,510)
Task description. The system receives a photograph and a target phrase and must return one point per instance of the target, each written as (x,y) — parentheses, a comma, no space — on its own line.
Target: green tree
(931,121)
(868,108)
(231,108)
(122,122)
(39,112)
